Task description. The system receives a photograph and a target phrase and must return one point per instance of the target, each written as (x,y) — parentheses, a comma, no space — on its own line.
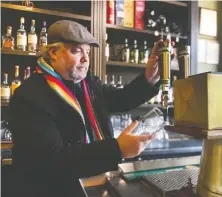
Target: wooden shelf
(45,11)
(4,104)
(118,27)
(175,2)
(125,64)
(17,52)
(133,65)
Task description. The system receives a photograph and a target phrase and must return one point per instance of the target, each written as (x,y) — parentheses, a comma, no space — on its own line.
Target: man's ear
(52,52)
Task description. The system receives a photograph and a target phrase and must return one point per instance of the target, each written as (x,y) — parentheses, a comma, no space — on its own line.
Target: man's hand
(152,71)
(132,145)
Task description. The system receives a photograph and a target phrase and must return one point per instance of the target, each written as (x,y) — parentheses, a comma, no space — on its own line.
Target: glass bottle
(144,54)
(5,89)
(112,83)
(43,37)
(126,52)
(119,83)
(28,72)
(21,36)
(8,41)
(16,82)
(107,49)
(134,53)
(106,81)
(25,75)
(32,38)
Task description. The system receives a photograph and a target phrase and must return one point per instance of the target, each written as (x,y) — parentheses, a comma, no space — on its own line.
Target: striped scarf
(56,83)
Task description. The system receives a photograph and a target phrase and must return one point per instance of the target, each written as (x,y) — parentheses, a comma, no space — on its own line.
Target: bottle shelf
(4,104)
(45,11)
(125,64)
(18,52)
(118,27)
(133,65)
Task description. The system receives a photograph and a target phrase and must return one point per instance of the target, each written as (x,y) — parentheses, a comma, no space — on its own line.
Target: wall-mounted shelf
(118,27)
(4,104)
(45,11)
(133,65)
(125,64)
(17,52)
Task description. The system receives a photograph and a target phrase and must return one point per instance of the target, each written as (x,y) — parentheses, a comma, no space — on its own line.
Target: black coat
(49,155)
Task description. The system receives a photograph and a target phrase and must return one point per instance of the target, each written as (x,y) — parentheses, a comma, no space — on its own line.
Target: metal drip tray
(167,183)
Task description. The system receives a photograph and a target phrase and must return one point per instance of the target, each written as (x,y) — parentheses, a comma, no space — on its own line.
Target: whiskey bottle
(21,36)
(28,73)
(25,75)
(144,54)
(5,89)
(32,38)
(16,82)
(119,82)
(43,38)
(106,81)
(134,53)
(8,40)
(112,83)
(126,52)
(107,49)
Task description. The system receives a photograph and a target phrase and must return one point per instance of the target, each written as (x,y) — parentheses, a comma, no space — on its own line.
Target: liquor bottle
(28,73)
(112,83)
(32,38)
(25,75)
(43,37)
(8,40)
(126,52)
(119,83)
(134,53)
(144,54)
(16,82)
(21,36)
(107,49)
(5,89)
(106,81)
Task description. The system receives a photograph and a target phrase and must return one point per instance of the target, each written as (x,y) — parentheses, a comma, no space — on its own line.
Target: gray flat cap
(70,31)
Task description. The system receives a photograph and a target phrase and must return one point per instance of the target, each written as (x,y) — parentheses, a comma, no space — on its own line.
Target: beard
(78,73)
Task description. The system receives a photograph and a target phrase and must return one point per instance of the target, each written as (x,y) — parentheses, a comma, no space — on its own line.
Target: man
(59,117)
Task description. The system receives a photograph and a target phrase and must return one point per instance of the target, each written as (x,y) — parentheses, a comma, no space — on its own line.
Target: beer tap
(164,54)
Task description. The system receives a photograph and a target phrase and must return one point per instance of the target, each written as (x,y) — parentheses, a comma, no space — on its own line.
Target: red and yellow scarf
(56,83)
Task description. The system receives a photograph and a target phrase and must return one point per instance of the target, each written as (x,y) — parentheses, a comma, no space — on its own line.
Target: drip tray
(166,183)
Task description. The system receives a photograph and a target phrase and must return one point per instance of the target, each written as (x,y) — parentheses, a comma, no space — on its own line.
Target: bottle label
(32,39)
(14,86)
(5,93)
(43,40)
(21,40)
(8,44)
(107,51)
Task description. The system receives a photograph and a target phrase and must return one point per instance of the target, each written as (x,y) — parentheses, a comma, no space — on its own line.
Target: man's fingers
(131,127)
(154,50)
(145,138)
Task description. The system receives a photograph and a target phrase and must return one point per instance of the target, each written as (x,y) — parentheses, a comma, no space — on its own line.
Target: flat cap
(70,31)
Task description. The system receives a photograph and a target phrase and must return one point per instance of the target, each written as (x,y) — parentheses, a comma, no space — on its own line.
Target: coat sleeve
(131,96)
(38,145)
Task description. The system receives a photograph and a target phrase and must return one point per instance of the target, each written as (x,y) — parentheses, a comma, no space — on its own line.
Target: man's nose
(83,59)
